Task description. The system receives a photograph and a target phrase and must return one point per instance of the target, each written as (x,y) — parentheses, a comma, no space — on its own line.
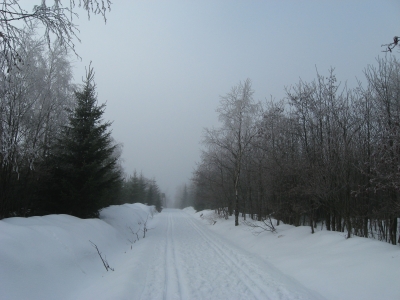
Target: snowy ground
(185,257)
(326,262)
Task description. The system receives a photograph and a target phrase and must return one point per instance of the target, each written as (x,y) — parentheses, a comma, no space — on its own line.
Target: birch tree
(33,99)
(238,114)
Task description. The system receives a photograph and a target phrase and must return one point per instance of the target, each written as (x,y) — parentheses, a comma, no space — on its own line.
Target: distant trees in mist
(139,189)
(326,153)
(184,196)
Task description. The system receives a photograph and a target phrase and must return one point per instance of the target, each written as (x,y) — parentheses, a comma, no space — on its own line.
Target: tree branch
(104,260)
(390,47)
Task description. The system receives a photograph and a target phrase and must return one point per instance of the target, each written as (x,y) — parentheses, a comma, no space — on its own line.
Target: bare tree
(57,20)
(327,154)
(238,115)
(33,99)
(209,180)
(385,160)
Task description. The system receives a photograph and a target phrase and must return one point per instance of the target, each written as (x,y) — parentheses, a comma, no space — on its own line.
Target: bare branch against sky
(57,21)
(392,45)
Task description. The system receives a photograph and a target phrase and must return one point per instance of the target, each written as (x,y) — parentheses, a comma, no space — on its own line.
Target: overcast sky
(162,65)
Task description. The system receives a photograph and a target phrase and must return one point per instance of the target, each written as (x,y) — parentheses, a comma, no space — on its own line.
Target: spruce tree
(158,203)
(138,188)
(151,193)
(84,167)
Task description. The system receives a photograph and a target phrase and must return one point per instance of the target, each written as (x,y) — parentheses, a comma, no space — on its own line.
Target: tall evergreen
(134,189)
(158,202)
(153,195)
(83,165)
(139,189)
(150,196)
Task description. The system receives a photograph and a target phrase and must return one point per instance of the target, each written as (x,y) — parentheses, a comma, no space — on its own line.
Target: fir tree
(151,193)
(84,167)
(158,203)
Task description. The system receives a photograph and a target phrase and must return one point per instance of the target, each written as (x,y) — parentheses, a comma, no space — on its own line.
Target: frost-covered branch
(56,19)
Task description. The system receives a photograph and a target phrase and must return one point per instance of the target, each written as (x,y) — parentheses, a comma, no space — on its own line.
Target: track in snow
(185,260)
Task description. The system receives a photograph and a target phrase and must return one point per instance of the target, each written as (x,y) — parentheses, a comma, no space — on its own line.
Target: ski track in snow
(187,261)
(182,257)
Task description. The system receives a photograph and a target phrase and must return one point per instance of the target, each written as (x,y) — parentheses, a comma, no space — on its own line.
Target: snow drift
(51,257)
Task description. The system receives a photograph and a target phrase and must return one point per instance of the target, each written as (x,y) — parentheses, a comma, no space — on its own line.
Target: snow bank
(50,257)
(189,210)
(126,218)
(327,262)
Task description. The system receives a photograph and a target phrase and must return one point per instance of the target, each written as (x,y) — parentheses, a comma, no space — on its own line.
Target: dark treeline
(141,189)
(326,153)
(57,154)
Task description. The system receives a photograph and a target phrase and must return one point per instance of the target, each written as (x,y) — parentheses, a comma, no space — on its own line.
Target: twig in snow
(104,260)
(260,226)
(145,229)
(135,233)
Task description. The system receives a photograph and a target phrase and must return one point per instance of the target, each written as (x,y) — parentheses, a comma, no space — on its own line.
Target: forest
(57,154)
(326,154)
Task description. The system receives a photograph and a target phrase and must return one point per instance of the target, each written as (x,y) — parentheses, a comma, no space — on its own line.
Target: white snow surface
(184,256)
(325,262)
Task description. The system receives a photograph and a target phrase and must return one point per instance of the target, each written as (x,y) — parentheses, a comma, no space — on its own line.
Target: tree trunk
(236,207)
(312,221)
(393,230)
(328,221)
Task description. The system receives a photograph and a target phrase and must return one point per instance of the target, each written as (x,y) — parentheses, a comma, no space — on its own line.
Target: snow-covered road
(182,259)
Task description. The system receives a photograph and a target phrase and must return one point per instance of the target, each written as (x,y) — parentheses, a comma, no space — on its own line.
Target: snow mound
(189,210)
(127,217)
(49,257)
